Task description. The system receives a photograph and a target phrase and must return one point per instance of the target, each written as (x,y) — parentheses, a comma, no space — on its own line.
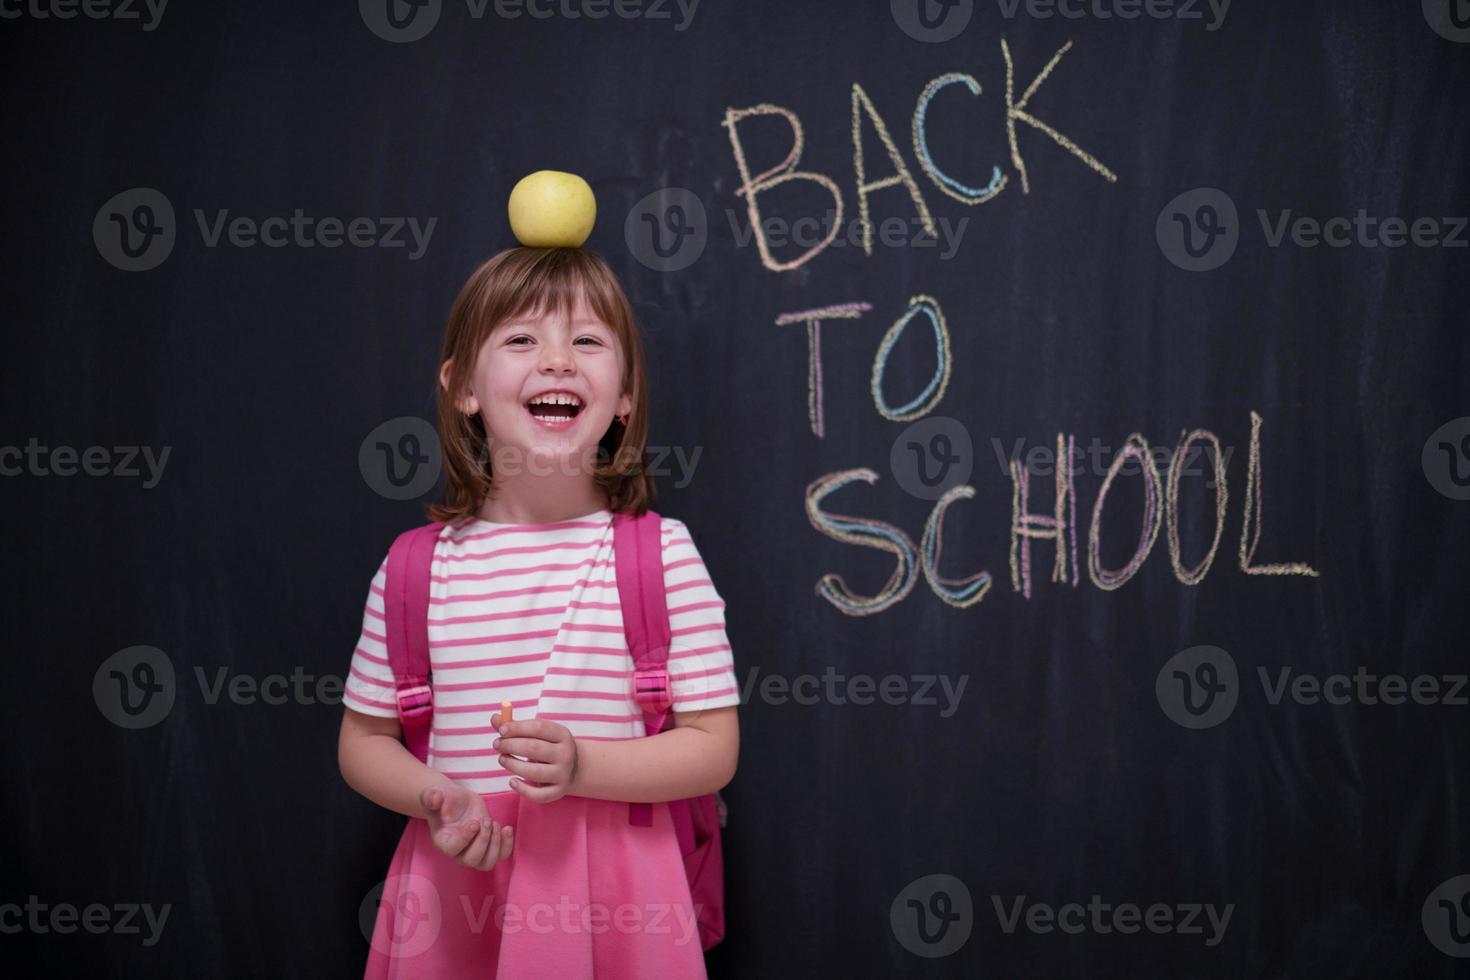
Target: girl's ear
(467,405)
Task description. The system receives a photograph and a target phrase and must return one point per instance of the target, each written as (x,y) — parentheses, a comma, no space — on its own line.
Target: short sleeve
(370,687)
(701,666)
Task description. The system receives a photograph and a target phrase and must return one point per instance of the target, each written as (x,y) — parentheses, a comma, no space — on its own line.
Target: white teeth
(557,399)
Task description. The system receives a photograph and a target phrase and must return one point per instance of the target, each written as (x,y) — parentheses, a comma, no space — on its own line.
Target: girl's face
(549,385)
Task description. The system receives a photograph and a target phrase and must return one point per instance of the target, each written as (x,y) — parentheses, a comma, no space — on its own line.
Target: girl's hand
(552,752)
(461,827)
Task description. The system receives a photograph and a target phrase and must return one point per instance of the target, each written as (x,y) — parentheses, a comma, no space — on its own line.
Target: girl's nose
(555,357)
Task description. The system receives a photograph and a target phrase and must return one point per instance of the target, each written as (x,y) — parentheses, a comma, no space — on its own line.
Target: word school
(1059,526)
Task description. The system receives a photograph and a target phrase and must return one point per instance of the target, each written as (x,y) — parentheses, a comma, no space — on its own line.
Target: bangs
(555,281)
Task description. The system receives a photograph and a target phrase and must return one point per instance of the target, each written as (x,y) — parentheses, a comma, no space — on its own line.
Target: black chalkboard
(1033,738)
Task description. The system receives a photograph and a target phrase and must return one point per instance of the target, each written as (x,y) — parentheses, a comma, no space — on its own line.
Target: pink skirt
(584,894)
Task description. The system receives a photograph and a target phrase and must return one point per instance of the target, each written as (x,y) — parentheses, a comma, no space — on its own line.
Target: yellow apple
(552,209)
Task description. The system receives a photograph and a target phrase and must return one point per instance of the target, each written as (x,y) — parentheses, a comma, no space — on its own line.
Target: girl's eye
(579,339)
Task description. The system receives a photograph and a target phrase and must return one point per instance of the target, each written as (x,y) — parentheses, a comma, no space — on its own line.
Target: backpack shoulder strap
(406,604)
(638,549)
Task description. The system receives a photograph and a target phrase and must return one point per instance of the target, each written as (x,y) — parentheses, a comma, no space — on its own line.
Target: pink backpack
(638,547)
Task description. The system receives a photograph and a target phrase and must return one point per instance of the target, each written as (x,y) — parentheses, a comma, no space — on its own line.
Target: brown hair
(516,282)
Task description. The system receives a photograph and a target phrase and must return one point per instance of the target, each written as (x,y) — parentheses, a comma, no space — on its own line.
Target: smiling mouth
(550,413)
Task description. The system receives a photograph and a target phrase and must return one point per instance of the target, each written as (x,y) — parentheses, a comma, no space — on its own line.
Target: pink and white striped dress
(530,613)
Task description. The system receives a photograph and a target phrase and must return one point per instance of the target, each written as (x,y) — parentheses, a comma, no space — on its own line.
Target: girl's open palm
(462,828)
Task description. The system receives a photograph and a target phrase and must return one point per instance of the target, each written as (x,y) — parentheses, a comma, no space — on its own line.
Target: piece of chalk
(506,710)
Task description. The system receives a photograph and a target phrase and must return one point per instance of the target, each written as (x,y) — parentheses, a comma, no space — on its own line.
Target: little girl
(532,868)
